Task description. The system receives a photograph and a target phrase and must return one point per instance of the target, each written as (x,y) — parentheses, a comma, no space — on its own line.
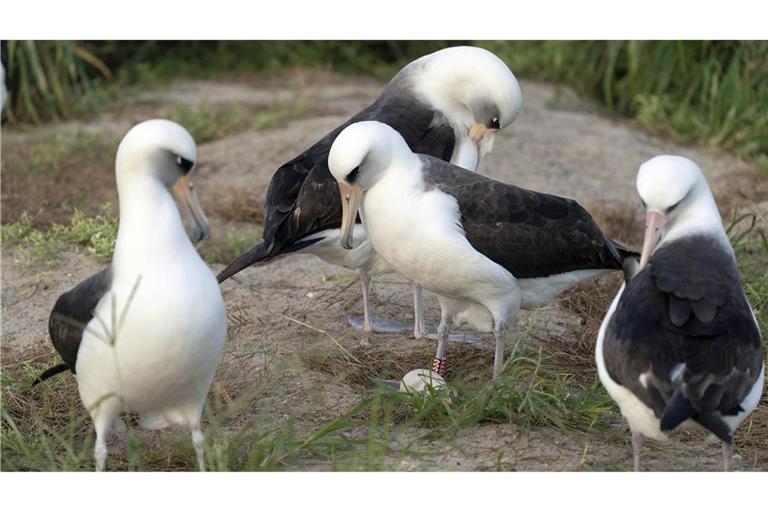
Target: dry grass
(377,362)
(241,205)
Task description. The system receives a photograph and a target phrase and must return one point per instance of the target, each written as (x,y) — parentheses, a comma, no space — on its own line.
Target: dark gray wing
(73,311)
(303,196)
(531,234)
(686,307)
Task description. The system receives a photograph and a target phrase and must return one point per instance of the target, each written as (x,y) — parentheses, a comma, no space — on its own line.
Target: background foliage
(710,92)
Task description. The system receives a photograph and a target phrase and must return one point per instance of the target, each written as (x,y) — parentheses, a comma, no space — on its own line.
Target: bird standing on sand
(448,104)
(485,248)
(680,342)
(146,334)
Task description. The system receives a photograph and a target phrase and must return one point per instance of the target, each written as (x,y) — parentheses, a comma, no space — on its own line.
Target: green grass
(46,428)
(52,152)
(52,80)
(708,92)
(35,246)
(534,389)
(207,122)
(236,243)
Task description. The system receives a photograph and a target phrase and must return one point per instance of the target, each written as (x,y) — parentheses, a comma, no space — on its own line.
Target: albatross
(449,104)
(145,335)
(485,248)
(680,342)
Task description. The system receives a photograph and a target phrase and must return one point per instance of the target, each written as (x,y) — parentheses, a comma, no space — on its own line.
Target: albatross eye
(352,176)
(186,165)
(494,123)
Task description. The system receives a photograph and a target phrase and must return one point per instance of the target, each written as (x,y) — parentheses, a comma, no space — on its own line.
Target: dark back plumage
(71,313)
(303,197)
(687,306)
(529,233)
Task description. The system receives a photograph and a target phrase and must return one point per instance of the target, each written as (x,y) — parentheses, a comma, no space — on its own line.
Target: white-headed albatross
(146,334)
(485,248)
(448,104)
(680,341)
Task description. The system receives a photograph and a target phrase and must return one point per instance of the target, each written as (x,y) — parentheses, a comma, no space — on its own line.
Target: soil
(559,144)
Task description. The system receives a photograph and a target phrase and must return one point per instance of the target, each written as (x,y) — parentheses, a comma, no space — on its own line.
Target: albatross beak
(350,203)
(477,132)
(654,227)
(184,192)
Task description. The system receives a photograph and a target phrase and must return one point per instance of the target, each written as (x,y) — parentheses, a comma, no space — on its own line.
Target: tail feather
(261,252)
(678,409)
(50,372)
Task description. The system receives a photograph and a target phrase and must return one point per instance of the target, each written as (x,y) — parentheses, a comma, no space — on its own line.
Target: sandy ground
(559,144)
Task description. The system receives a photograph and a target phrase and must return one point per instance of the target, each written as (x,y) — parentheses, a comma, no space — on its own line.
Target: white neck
(151,231)
(699,215)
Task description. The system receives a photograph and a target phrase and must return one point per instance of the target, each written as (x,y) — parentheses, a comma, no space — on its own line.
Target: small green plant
(51,151)
(207,122)
(96,235)
(210,122)
(237,242)
(51,79)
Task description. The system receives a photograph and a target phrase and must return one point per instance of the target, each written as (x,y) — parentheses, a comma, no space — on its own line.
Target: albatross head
(677,201)
(359,156)
(164,151)
(472,88)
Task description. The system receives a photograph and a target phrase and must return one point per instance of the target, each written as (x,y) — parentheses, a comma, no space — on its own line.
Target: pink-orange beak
(190,208)
(350,203)
(477,132)
(654,227)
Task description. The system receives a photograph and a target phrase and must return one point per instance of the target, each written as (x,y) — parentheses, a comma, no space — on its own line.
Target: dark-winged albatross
(145,335)
(485,248)
(680,341)
(448,104)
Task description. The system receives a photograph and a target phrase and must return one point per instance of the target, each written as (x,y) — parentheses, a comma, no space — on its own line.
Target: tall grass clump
(713,92)
(51,79)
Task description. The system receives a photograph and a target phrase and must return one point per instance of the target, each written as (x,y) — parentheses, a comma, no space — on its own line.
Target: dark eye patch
(669,210)
(186,165)
(494,124)
(352,176)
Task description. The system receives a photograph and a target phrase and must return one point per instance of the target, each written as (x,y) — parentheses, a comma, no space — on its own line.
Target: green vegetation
(54,79)
(710,92)
(96,235)
(237,242)
(207,122)
(50,152)
(750,242)
(46,427)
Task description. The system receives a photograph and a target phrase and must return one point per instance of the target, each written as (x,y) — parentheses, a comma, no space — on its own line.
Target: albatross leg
(728,451)
(103,415)
(438,363)
(419,327)
(637,445)
(198,440)
(498,360)
(367,323)
(365,281)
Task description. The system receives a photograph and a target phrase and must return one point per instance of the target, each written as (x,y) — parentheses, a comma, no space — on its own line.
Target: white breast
(166,339)
(640,417)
